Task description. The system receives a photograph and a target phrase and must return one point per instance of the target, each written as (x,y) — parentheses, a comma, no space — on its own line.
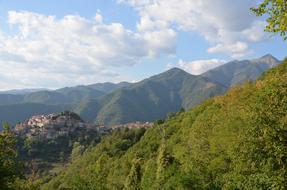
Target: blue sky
(56,43)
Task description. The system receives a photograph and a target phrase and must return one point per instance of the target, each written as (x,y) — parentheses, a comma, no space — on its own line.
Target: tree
(163,161)
(181,110)
(276,11)
(134,178)
(77,151)
(159,121)
(170,115)
(9,167)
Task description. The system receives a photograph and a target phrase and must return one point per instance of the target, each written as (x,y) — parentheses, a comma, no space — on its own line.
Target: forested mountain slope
(151,98)
(235,141)
(17,107)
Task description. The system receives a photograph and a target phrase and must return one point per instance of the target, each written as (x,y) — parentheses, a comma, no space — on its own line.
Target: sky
(58,43)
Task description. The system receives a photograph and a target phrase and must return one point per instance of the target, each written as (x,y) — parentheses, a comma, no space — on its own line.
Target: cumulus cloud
(221,22)
(48,51)
(199,66)
(237,49)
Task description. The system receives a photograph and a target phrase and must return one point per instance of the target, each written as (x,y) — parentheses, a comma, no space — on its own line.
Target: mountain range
(237,72)
(150,99)
(233,141)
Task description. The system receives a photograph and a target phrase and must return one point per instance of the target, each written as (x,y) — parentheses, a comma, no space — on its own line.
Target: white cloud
(199,66)
(45,51)
(256,32)
(220,22)
(237,49)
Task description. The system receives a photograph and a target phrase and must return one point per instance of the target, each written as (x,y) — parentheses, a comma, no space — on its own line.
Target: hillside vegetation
(235,141)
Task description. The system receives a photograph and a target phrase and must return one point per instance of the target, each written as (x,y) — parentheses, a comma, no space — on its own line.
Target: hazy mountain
(6,99)
(18,106)
(151,98)
(237,72)
(67,95)
(22,91)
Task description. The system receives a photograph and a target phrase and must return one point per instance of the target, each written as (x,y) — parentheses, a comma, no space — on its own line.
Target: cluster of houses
(136,125)
(62,124)
(54,125)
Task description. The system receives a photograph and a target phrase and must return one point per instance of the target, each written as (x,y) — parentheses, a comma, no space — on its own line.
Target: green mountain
(151,98)
(68,95)
(22,91)
(237,72)
(235,141)
(18,105)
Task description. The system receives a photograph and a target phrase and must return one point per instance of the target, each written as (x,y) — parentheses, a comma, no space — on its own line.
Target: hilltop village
(65,123)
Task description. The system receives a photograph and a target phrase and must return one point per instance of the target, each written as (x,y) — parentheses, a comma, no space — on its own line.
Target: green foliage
(77,151)
(134,178)
(10,168)
(45,155)
(276,11)
(26,184)
(163,161)
(96,166)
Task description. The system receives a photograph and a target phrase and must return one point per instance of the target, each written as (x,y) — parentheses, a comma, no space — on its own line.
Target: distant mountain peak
(175,70)
(172,73)
(269,58)
(268,55)
(237,72)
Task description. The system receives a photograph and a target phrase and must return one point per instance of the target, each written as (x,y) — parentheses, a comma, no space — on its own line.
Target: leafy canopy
(9,167)
(277,15)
